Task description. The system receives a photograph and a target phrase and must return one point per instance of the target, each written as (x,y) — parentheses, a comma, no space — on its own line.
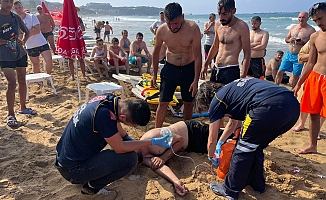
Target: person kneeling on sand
(189,136)
(115,59)
(80,156)
(99,57)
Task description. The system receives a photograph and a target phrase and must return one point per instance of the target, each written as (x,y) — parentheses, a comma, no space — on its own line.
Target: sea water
(277,24)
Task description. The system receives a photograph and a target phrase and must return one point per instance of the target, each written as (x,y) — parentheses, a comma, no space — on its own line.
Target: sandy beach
(27,155)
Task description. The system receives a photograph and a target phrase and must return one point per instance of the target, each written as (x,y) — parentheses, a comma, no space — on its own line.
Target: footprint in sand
(4,183)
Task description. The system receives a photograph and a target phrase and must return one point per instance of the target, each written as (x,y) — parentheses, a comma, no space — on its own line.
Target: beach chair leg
(52,85)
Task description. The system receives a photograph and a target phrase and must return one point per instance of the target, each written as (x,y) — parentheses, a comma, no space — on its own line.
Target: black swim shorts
(46,35)
(35,52)
(225,75)
(256,67)
(13,64)
(97,30)
(173,76)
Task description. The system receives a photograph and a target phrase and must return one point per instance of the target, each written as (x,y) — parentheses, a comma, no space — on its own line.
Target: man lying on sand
(189,136)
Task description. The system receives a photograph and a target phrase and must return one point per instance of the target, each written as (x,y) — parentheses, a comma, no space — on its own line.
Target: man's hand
(162,141)
(193,87)
(153,82)
(219,147)
(157,163)
(203,72)
(296,89)
(22,42)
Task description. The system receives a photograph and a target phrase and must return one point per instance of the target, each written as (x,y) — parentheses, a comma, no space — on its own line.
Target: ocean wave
(289,26)
(279,18)
(276,40)
(294,19)
(137,19)
(316,28)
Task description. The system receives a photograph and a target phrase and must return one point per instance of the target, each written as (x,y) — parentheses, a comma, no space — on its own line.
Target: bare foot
(180,189)
(298,128)
(307,150)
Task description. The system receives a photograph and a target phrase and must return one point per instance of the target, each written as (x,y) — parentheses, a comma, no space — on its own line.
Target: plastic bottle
(166,131)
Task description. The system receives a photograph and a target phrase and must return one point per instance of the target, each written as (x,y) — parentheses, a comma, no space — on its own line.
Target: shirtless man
(136,57)
(258,43)
(273,65)
(97,29)
(297,37)
(209,28)
(47,26)
(313,100)
(115,59)
(189,136)
(36,43)
(107,30)
(231,36)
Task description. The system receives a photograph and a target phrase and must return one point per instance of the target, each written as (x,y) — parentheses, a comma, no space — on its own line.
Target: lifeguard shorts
(313,100)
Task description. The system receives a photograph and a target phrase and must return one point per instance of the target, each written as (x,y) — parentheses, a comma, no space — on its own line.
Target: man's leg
(139,64)
(160,114)
(71,68)
(188,110)
(278,77)
(302,121)
(314,128)
(322,120)
(149,64)
(48,60)
(82,67)
(10,95)
(21,77)
(50,39)
(97,66)
(104,168)
(116,65)
(36,63)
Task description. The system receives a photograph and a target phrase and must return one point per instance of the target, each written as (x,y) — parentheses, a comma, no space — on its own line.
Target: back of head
(205,95)
(172,11)
(107,22)
(280,52)
(137,111)
(99,40)
(256,19)
(228,5)
(316,8)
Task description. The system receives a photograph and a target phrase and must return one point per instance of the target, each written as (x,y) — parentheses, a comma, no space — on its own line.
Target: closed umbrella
(45,8)
(70,40)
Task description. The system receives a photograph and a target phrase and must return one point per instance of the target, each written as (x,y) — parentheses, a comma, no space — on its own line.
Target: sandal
(28,111)
(12,121)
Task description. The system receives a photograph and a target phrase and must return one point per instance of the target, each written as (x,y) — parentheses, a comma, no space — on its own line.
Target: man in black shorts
(189,136)
(183,60)
(267,111)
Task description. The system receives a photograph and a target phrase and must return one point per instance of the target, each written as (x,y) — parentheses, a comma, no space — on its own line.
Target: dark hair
(137,111)
(317,7)
(103,22)
(123,31)
(280,52)
(205,95)
(256,18)
(172,11)
(17,2)
(228,5)
(99,40)
(107,22)
(211,15)
(114,40)
(139,34)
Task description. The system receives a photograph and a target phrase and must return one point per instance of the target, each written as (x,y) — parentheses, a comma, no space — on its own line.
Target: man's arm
(196,47)
(263,43)
(36,29)
(212,137)
(207,26)
(275,66)
(24,29)
(156,52)
(52,22)
(310,64)
(151,28)
(245,41)
(304,54)
(146,50)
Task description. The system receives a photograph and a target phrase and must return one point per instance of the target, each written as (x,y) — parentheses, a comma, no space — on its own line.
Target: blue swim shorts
(133,60)
(290,64)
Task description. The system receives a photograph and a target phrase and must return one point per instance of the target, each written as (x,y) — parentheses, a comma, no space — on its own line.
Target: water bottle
(166,131)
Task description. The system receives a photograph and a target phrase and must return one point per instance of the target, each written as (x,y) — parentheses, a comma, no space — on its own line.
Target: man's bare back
(45,22)
(180,45)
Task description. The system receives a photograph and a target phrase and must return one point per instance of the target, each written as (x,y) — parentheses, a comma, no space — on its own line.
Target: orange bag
(226,155)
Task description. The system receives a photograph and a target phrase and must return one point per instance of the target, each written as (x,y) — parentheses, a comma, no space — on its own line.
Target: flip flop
(28,111)
(218,189)
(12,121)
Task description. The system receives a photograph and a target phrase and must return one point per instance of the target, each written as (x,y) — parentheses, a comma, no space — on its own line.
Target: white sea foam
(294,19)
(288,27)
(277,40)
(137,19)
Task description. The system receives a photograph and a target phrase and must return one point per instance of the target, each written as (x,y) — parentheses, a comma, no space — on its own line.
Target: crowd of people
(240,95)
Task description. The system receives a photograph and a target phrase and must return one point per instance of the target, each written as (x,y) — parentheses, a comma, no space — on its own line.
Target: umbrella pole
(78,81)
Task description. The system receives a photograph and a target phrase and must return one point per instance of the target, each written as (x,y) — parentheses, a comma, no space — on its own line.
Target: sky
(208,6)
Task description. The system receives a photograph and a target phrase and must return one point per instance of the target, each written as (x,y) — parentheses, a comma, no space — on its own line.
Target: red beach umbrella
(45,8)
(56,16)
(26,11)
(70,39)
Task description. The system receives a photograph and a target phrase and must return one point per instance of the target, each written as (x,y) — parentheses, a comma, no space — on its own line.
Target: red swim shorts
(313,100)
(111,61)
